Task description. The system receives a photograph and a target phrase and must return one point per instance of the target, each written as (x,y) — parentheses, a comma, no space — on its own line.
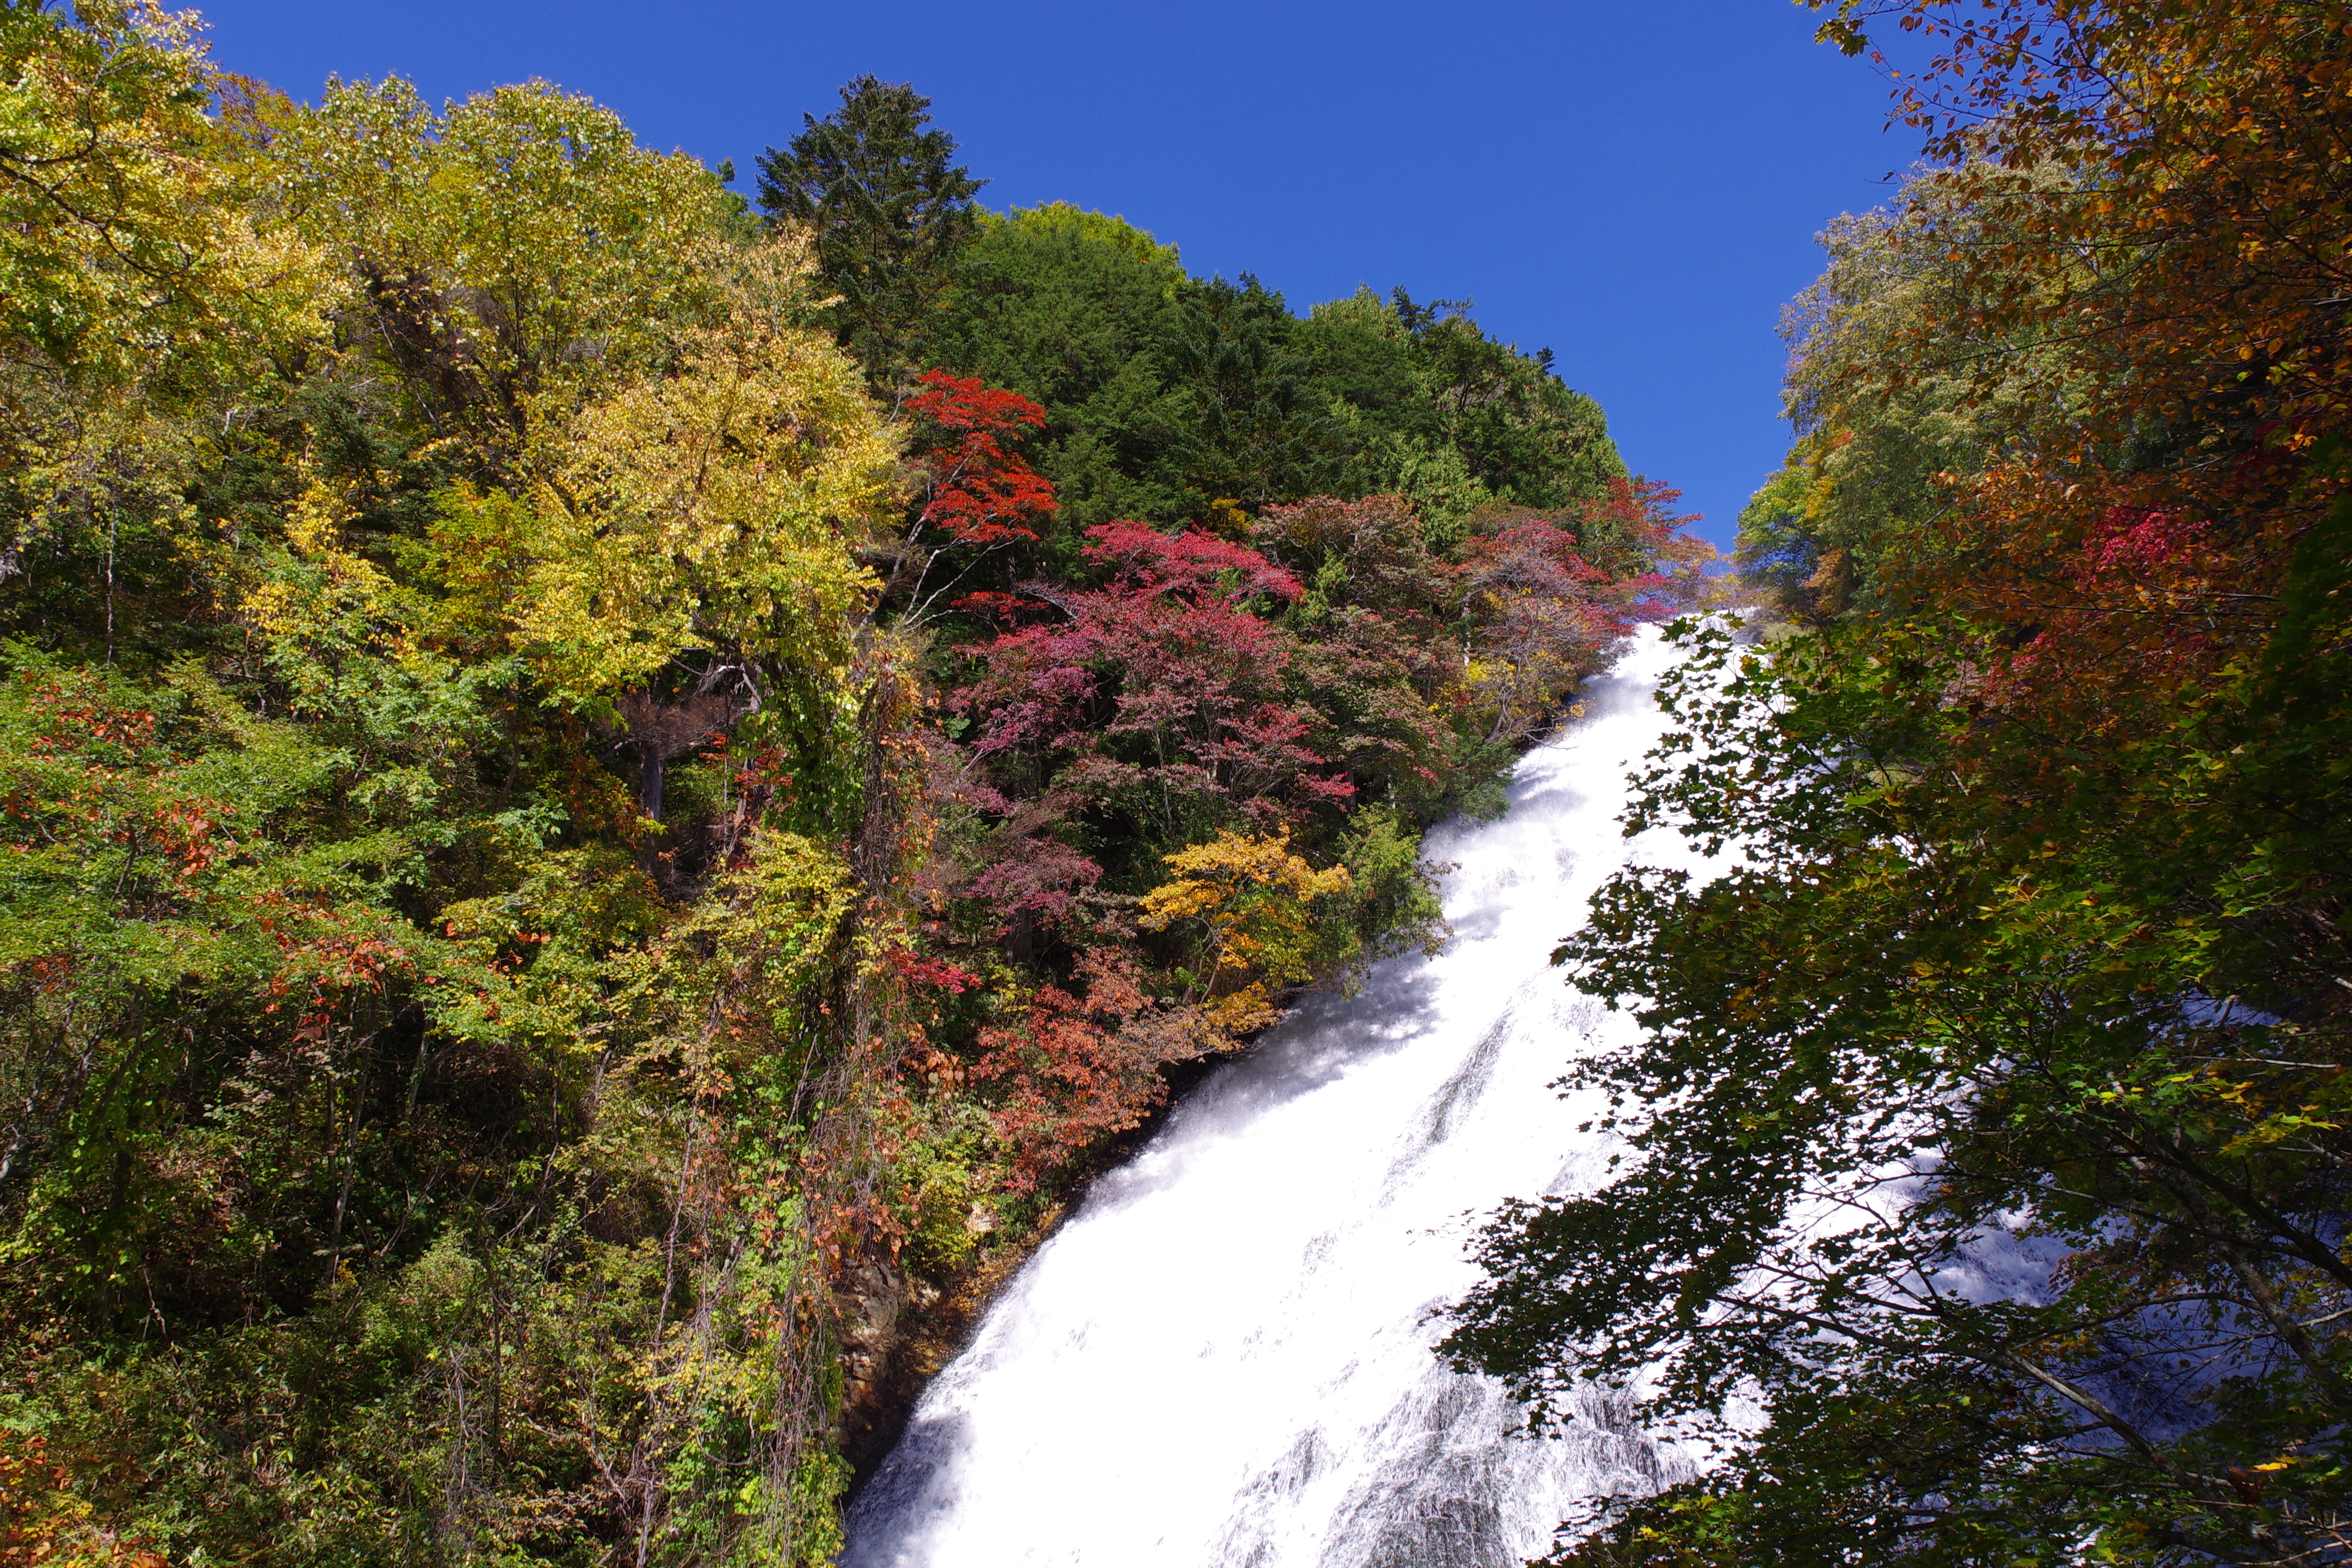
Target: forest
(617,783)
(614,789)
(1984,1181)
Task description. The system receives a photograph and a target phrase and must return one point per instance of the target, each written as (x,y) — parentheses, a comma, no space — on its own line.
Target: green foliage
(497,942)
(1888,426)
(889,211)
(1926,1015)
(344,1181)
(1077,310)
(1166,395)
(1396,894)
(1983,1177)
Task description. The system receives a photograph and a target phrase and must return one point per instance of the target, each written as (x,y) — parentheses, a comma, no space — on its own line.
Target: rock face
(873,1297)
(899,1325)
(899,1328)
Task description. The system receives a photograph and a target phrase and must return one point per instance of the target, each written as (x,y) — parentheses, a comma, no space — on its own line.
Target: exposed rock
(900,1328)
(900,1325)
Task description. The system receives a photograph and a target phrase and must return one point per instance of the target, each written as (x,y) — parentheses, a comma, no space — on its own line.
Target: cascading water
(1224,1360)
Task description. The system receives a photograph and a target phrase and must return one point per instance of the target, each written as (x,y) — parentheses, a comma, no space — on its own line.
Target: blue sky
(1634,185)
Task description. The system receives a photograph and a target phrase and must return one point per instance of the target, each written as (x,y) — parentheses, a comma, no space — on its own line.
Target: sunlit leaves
(507,256)
(711,507)
(2029,951)
(1250,907)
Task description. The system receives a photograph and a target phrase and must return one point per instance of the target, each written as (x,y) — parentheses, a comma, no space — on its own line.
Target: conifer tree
(889,208)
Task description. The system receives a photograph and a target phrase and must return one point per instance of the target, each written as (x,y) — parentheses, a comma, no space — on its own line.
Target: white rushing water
(1222,1360)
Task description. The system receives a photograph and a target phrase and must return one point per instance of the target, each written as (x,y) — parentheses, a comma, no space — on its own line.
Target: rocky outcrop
(899,1327)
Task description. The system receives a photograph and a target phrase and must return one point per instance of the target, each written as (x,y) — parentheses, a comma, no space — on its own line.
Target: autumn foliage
(979,493)
(1200,694)
(598,799)
(1995,1089)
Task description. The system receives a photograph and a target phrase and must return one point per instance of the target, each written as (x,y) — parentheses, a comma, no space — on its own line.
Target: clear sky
(1635,185)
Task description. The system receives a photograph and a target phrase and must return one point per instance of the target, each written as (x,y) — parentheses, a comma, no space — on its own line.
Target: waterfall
(1222,1360)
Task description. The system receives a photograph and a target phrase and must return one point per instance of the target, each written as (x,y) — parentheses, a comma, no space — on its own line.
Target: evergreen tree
(891,209)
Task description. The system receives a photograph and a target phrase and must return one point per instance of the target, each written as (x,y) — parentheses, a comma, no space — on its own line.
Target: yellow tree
(511,255)
(659,475)
(138,287)
(681,551)
(1261,920)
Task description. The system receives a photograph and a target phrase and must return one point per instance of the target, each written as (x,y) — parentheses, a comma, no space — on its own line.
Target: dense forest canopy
(606,787)
(1984,1190)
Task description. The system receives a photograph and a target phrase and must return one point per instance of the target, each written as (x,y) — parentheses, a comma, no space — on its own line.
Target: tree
(1076,1068)
(1167,397)
(692,534)
(139,284)
(889,211)
(1379,643)
(1438,411)
(319,893)
(1252,431)
(1076,310)
(1249,906)
(508,255)
(1521,431)
(1987,1121)
(1158,696)
(1992,1087)
(516,939)
(1545,606)
(977,495)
